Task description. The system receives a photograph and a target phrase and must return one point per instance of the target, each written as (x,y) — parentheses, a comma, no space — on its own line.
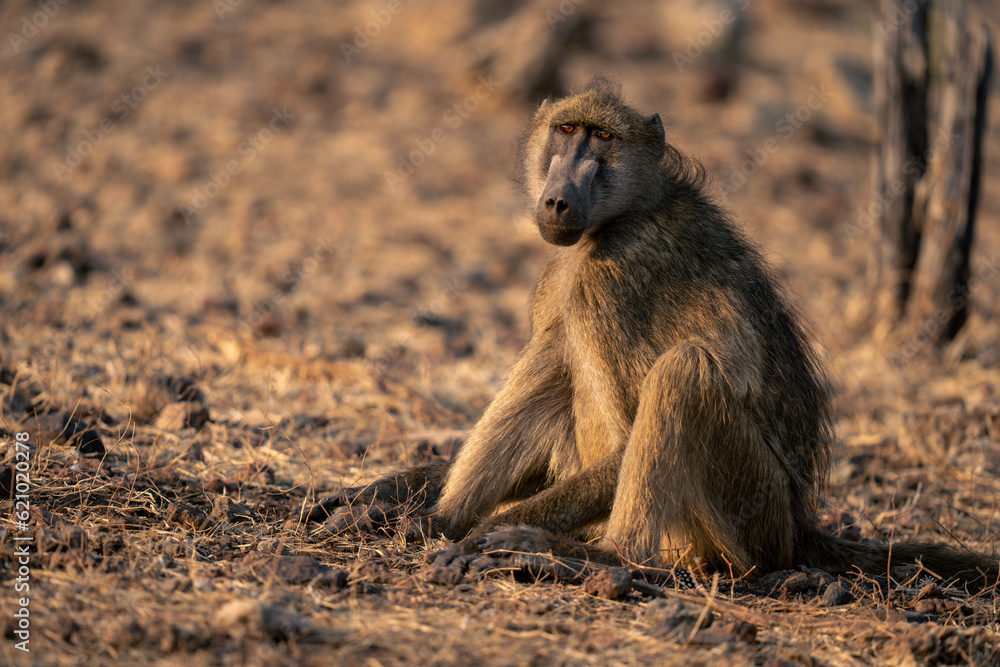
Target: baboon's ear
(656,127)
(544,104)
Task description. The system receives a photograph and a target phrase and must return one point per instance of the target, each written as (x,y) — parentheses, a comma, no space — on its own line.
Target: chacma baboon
(668,394)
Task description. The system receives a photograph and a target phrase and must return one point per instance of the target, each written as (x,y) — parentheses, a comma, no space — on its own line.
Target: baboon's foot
(537,553)
(523,550)
(453,564)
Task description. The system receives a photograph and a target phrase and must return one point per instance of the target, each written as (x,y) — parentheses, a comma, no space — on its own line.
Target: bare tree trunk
(931,74)
(901,81)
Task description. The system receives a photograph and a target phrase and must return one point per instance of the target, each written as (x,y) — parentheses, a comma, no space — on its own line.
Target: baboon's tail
(835,554)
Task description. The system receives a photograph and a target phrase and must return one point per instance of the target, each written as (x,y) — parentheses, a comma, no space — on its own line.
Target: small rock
(931,644)
(938,606)
(270,545)
(773,580)
(181,415)
(917,617)
(249,618)
(225,509)
(171,547)
(835,595)
(931,590)
(613,583)
(41,516)
(269,326)
(298,569)
(185,515)
(217,485)
(124,634)
(539,607)
(905,572)
(290,569)
(818,578)
(62,273)
(672,608)
(797,583)
(733,631)
(335,578)
(889,615)
(675,619)
(89,443)
(62,429)
(647,589)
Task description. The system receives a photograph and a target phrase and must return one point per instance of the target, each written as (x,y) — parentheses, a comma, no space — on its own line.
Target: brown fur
(667,395)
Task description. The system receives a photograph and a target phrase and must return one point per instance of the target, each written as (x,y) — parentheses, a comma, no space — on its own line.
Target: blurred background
(307,208)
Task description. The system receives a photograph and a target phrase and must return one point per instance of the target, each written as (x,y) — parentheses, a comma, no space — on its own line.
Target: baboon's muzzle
(563,210)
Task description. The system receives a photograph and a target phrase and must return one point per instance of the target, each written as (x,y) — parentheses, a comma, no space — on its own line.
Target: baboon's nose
(559,204)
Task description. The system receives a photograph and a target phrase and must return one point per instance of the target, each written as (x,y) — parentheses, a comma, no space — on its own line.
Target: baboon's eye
(602,134)
(567,128)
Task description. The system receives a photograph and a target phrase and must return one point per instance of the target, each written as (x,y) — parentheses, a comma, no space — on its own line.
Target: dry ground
(203,262)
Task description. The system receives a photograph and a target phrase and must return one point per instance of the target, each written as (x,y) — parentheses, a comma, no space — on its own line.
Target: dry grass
(337,328)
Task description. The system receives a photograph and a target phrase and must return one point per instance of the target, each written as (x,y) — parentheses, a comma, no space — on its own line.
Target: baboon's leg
(568,505)
(523,441)
(525,534)
(697,467)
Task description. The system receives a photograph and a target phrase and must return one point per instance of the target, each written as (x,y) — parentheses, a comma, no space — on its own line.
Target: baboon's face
(592,168)
(577,157)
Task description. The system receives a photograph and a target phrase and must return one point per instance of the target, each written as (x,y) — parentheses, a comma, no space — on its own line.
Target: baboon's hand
(389,497)
(385,504)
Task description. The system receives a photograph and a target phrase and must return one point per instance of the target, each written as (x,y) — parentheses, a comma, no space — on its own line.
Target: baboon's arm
(509,453)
